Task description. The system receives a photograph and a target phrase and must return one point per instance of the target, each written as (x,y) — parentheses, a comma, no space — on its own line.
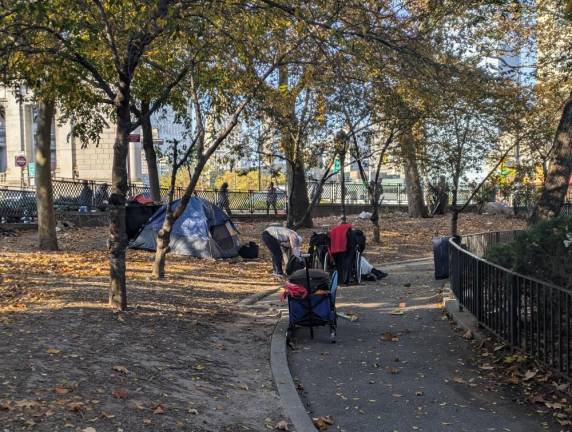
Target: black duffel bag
(249,250)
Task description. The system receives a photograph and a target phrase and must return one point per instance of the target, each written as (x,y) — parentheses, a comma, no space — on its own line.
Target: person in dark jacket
(223,201)
(102,197)
(85,199)
(271,197)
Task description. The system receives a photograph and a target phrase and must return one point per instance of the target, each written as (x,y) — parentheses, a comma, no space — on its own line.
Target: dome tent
(202,231)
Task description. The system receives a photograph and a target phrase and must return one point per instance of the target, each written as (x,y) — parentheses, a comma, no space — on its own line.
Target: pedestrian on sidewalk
(280,240)
(271,197)
(223,201)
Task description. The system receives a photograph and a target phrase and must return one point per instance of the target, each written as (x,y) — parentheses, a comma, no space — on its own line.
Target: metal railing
(530,315)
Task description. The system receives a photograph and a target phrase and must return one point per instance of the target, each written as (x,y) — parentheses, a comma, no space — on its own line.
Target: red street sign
(134,137)
(20,161)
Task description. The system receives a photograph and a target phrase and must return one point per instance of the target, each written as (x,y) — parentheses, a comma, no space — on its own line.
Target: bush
(543,252)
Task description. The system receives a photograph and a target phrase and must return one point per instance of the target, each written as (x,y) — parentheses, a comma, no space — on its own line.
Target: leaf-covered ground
(185,357)
(402,237)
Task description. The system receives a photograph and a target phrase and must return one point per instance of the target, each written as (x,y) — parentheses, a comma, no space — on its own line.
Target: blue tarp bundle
(203,230)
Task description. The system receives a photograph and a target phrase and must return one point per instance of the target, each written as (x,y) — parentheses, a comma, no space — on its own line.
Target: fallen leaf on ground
(89,429)
(397,312)
(121,369)
(390,337)
(26,403)
(120,393)
(323,422)
(53,351)
(459,380)
(243,387)
(62,390)
(76,406)
(159,409)
(468,335)
(529,375)
(282,425)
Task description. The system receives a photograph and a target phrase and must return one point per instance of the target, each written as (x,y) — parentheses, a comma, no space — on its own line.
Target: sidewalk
(402,369)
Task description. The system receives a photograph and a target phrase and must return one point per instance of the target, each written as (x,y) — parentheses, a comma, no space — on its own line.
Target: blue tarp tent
(203,231)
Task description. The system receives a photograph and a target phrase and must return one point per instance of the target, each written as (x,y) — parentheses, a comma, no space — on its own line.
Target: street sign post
(32,169)
(20,160)
(337,167)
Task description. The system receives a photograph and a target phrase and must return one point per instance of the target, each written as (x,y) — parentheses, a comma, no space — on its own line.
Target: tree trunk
(556,182)
(343,185)
(117,199)
(455,197)
(47,237)
(415,202)
(298,200)
(163,240)
(454,221)
(150,155)
(375,221)
(164,234)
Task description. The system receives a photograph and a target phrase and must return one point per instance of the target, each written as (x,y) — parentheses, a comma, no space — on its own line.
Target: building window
(3,150)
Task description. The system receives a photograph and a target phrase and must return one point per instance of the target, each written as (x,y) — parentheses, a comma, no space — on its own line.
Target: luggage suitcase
(441,257)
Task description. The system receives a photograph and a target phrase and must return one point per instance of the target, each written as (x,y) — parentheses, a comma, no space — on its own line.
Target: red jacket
(339,238)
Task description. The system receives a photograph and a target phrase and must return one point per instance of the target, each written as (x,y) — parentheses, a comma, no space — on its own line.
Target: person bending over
(278,239)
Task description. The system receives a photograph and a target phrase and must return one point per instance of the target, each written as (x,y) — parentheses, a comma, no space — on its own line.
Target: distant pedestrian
(223,201)
(271,197)
(85,199)
(102,197)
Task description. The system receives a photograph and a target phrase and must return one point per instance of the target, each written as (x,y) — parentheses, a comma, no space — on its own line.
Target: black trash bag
(441,257)
(249,250)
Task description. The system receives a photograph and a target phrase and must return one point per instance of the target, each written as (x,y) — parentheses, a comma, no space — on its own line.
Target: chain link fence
(88,195)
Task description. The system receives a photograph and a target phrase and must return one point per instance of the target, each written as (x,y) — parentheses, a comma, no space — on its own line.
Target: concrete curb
(289,397)
(250,300)
(462,318)
(404,262)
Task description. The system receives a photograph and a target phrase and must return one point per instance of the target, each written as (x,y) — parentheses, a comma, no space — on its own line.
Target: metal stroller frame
(329,264)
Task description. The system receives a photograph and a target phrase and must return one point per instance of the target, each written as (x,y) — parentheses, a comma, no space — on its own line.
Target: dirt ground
(184,358)
(401,237)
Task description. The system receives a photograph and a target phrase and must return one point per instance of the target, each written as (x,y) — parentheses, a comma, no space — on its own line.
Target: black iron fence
(529,314)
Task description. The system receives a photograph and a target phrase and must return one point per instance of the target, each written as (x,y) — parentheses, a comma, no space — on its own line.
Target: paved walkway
(409,372)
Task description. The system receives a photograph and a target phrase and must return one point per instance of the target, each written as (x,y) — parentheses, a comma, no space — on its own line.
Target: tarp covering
(203,230)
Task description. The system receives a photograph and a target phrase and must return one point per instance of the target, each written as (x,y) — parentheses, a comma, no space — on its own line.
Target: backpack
(249,250)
